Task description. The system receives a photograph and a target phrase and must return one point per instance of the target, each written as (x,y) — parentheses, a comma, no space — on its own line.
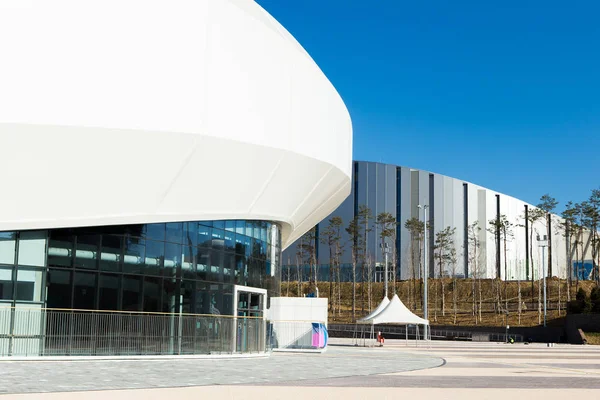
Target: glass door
(249,329)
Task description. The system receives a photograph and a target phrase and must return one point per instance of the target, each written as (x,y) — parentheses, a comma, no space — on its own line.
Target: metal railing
(399,332)
(293,335)
(52,332)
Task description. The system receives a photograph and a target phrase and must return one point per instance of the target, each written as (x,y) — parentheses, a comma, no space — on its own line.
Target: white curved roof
(395,313)
(130,111)
(384,303)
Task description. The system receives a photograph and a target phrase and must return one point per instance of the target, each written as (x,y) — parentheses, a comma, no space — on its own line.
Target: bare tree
(331,236)
(592,212)
(534,215)
(387,224)
(416,229)
(299,265)
(548,204)
(289,272)
(443,245)
(308,246)
(453,259)
(474,245)
(504,227)
(353,230)
(369,267)
(569,231)
(364,217)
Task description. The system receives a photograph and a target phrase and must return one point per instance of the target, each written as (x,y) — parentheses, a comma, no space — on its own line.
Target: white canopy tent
(394,313)
(384,303)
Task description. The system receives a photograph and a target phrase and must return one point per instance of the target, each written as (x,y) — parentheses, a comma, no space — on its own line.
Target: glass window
(215,273)
(174,232)
(201,299)
(7,247)
(59,288)
(173,256)
(134,254)
(247,246)
(228,267)
(60,249)
(227,305)
(169,295)
(190,234)
(263,233)
(6,283)
(188,267)
(230,226)
(188,291)
(132,293)
(152,292)
(111,253)
(217,237)
(132,230)
(254,275)
(239,245)
(29,284)
(86,255)
(84,290)
(202,263)
(32,248)
(216,299)
(109,292)
(204,235)
(249,228)
(241,270)
(155,231)
(155,253)
(218,224)
(240,227)
(229,241)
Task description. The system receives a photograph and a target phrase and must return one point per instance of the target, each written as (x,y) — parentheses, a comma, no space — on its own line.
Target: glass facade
(188,267)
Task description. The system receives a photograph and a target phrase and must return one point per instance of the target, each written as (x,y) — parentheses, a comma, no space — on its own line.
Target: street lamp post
(543,243)
(425,272)
(385,248)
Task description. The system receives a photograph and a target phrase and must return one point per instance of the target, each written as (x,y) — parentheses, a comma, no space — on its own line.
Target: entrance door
(249,321)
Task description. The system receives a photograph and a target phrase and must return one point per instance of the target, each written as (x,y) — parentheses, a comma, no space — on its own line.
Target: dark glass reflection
(189,267)
(84,290)
(109,292)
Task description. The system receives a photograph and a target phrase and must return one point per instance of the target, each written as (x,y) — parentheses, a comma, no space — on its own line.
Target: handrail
(129,312)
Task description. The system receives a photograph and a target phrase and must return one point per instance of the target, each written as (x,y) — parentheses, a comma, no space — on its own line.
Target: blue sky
(502,94)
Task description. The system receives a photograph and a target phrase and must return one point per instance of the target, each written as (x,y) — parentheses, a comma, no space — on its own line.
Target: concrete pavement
(442,370)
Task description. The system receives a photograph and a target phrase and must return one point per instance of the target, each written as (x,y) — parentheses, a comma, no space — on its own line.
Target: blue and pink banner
(319,335)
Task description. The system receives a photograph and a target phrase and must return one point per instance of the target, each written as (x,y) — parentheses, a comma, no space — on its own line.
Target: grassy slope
(490,317)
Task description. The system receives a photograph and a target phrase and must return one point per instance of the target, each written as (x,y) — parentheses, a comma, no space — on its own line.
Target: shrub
(581,304)
(581,295)
(595,299)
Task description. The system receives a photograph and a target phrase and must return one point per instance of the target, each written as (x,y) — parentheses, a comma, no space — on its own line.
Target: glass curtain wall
(184,267)
(187,267)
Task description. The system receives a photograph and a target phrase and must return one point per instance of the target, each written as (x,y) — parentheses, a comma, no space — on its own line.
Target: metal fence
(292,335)
(49,332)
(400,332)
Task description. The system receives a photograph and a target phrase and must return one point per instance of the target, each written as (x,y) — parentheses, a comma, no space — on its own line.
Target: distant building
(451,203)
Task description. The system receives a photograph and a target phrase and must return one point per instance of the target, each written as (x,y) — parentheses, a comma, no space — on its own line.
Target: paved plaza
(441,369)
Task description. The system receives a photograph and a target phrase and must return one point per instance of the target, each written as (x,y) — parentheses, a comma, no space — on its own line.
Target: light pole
(386,250)
(425,272)
(543,243)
